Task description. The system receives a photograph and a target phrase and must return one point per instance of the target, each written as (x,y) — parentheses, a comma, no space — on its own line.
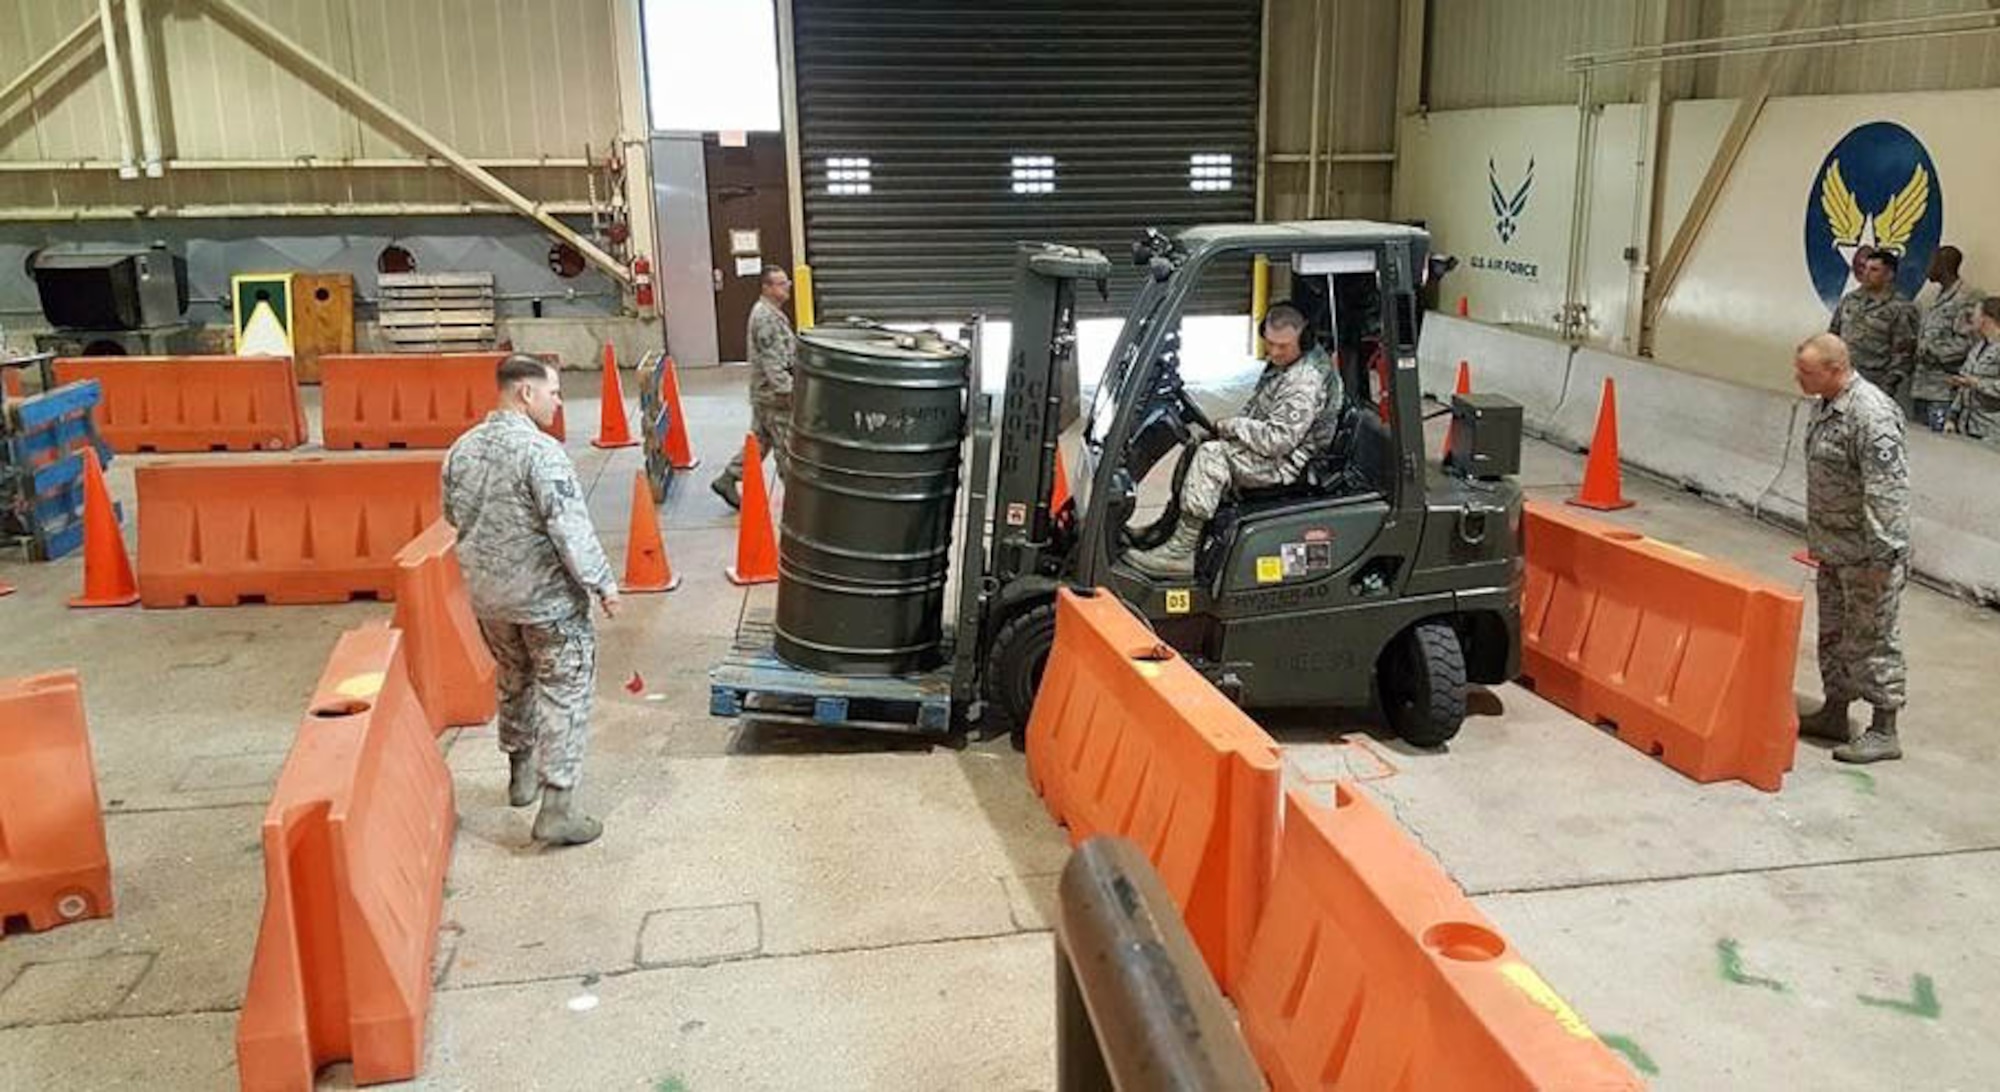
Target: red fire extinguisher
(642,282)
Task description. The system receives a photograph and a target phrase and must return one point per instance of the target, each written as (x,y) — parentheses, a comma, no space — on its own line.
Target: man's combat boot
(523,784)
(1877,744)
(1174,558)
(1829,723)
(725,487)
(561,822)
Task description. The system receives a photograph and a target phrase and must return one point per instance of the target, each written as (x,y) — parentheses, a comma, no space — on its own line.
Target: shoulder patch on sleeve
(1884,449)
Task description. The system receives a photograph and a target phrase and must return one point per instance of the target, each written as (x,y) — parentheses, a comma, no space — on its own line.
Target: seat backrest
(1371,452)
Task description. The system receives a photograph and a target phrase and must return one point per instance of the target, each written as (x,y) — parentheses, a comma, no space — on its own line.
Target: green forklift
(1383,577)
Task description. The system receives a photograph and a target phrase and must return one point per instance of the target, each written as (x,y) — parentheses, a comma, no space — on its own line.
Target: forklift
(1380,578)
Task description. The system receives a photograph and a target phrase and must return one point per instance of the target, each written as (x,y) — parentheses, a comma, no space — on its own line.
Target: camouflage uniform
(1265,445)
(1977,409)
(1946,333)
(773,351)
(1858,527)
(532,563)
(1881,337)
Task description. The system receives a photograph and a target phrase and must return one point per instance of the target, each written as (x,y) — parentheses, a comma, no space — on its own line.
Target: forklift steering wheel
(1192,412)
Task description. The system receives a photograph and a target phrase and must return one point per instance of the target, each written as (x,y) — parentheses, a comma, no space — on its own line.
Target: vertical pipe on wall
(1639,258)
(120,102)
(145,93)
(1573,321)
(1318,103)
(1263,106)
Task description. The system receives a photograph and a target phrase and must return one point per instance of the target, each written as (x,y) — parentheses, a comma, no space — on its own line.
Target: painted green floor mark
(1923,1002)
(1863,780)
(1634,1053)
(1731,967)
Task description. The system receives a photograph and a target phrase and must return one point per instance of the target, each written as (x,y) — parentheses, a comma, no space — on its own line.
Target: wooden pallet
(437,312)
(752,682)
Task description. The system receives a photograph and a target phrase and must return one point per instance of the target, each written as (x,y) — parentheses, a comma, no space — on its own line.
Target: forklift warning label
(1017,515)
(1179,600)
(1270,569)
(1303,559)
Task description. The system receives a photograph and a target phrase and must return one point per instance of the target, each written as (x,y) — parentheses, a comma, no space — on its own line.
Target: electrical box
(1485,435)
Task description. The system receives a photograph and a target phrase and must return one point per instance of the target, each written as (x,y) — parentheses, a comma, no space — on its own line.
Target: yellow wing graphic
(1899,217)
(1843,212)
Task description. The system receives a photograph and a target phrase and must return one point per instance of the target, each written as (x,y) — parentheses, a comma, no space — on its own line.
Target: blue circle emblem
(1879,188)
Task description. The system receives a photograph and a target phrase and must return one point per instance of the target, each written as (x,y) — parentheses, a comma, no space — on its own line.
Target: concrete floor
(778,909)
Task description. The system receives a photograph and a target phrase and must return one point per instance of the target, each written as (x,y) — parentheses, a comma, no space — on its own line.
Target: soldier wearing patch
(1946,333)
(532,565)
(1858,528)
(1879,326)
(1267,444)
(773,352)
(1975,405)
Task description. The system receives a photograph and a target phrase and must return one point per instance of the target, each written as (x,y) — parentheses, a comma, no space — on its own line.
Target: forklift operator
(1266,445)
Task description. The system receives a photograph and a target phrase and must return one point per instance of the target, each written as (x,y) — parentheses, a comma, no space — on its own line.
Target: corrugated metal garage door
(937,133)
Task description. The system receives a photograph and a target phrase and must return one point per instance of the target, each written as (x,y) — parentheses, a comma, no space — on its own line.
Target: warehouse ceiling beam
(275,41)
(51,60)
(145,93)
(1734,140)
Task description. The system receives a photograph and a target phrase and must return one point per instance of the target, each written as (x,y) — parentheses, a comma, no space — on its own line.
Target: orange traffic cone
(1464,307)
(1464,386)
(107,569)
(613,430)
(1059,496)
(756,543)
(1602,477)
(646,566)
(679,452)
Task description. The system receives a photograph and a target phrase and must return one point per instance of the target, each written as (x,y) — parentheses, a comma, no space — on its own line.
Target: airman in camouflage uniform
(532,565)
(1945,334)
(1975,406)
(1265,445)
(773,351)
(1858,528)
(1879,327)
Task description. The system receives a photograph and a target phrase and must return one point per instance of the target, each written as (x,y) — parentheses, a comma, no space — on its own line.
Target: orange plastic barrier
(450,664)
(356,842)
(54,868)
(1127,739)
(1371,970)
(298,530)
(193,403)
(1686,658)
(404,400)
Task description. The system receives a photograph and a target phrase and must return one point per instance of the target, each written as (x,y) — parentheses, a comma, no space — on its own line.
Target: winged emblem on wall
(1507,210)
(1888,229)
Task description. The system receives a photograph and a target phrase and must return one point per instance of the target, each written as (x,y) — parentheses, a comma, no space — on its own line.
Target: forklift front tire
(1014,667)
(1422,682)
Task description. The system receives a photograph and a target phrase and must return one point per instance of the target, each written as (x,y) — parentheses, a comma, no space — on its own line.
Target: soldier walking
(773,350)
(532,565)
(1858,528)
(1945,334)
(1879,327)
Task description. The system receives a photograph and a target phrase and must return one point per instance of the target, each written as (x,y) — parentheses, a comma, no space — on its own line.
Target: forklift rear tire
(1014,667)
(1422,682)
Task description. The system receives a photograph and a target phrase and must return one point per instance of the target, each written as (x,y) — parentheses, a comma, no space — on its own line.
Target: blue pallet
(44,437)
(753,682)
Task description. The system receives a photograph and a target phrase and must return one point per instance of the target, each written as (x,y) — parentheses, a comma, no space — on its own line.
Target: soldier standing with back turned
(1858,528)
(532,565)
(773,351)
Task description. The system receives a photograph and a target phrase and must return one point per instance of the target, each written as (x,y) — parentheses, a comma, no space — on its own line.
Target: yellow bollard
(1260,301)
(802,294)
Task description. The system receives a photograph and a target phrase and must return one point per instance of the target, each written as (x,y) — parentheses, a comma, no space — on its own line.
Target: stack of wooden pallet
(437,312)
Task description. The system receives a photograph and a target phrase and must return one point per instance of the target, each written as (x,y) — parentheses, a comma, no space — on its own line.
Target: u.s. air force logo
(1877,188)
(1507,210)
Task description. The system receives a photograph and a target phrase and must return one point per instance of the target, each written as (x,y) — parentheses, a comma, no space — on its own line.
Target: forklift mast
(1041,399)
